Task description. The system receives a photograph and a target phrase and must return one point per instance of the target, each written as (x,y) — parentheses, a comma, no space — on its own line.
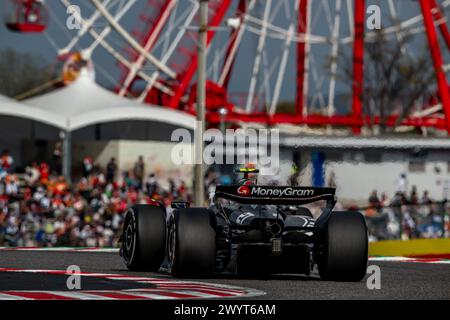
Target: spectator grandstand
(39,208)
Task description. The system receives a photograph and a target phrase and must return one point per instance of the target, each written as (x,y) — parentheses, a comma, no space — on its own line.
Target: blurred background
(91,92)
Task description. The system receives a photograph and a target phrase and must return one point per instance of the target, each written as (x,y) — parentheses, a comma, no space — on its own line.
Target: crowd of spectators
(406,215)
(39,208)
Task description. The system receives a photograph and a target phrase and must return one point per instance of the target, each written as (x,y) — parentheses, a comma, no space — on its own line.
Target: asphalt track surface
(399,280)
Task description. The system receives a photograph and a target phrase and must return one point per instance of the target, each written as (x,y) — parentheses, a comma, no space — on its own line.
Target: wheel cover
(129,237)
(129,244)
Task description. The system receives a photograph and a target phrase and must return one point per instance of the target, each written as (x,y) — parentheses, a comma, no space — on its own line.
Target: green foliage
(286,107)
(398,76)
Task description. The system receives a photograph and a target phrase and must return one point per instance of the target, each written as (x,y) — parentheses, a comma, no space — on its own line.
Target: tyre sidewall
(147,223)
(191,243)
(344,254)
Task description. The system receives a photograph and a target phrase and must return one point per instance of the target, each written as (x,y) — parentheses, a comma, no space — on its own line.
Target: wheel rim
(129,243)
(129,237)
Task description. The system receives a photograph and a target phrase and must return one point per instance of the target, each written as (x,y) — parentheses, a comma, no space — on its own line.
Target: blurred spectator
(402,184)
(425,198)
(88,166)
(11,186)
(44,172)
(406,218)
(57,157)
(111,169)
(384,200)
(295,174)
(139,171)
(414,197)
(32,174)
(152,184)
(6,161)
(373,199)
(42,209)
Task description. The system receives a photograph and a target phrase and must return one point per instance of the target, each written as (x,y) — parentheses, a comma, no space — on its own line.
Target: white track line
(61,249)
(147,295)
(5,296)
(164,289)
(411,260)
(79,295)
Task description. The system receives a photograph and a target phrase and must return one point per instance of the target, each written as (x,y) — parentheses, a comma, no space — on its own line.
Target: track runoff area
(47,274)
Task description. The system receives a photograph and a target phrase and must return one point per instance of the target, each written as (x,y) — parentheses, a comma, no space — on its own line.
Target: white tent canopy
(85,103)
(10,107)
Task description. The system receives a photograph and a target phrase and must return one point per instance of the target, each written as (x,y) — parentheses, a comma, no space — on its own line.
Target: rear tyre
(343,255)
(144,238)
(192,243)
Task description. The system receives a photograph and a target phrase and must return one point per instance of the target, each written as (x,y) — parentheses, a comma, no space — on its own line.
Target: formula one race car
(250,229)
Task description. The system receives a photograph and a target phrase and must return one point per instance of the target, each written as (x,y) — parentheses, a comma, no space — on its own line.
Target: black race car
(252,229)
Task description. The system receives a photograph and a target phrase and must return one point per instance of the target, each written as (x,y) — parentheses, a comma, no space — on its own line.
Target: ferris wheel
(260,53)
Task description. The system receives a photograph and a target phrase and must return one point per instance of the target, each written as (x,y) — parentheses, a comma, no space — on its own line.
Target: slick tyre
(144,238)
(343,255)
(192,243)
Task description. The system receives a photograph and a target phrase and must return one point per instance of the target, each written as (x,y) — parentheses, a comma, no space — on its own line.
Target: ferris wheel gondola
(26,15)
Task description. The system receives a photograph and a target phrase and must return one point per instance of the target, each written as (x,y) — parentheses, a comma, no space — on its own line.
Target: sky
(107,70)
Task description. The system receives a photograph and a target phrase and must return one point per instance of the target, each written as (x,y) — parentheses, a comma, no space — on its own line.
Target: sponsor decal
(243,190)
(280,193)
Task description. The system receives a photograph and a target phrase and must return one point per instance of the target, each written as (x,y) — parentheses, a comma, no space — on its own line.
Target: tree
(394,80)
(286,107)
(21,72)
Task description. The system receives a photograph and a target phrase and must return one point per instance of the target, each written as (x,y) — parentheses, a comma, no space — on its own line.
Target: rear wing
(275,195)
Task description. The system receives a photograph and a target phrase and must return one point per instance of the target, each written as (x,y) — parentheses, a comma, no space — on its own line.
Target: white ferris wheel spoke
(84,28)
(152,81)
(114,53)
(334,57)
(133,43)
(108,29)
(148,45)
(229,60)
(283,63)
(256,65)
